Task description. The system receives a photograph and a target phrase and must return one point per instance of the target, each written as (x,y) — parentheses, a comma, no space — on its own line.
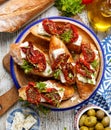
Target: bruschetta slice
(87,69)
(31,59)
(61,61)
(66,31)
(38,31)
(48,91)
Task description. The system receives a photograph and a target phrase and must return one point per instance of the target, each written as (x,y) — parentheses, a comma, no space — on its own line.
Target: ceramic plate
(66,105)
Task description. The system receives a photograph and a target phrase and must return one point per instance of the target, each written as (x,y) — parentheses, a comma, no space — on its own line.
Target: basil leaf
(41,86)
(95,63)
(27,67)
(57,73)
(66,36)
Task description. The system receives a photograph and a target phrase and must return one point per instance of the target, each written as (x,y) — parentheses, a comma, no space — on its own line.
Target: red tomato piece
(33,95)
(87,1)
(88,53)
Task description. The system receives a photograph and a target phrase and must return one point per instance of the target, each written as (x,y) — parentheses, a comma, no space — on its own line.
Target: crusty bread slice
(15,52)
(86,89)
(34,31)
(56,43)
(68,90)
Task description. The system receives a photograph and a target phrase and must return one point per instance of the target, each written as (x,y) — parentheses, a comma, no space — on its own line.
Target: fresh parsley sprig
(69,7)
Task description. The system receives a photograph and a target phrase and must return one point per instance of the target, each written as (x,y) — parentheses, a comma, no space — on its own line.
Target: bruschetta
(87,69)
(61,61)
(31,59)
(48,91)
(66,31)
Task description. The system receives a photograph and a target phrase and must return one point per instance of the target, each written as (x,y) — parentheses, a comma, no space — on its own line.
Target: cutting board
(8,99)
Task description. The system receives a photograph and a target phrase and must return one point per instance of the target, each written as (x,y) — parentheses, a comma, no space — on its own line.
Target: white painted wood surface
(54,120)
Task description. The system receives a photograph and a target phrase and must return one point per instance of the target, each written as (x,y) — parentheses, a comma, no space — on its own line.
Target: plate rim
(74,21)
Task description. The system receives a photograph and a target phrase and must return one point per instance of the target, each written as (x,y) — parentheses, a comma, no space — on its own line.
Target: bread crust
(15,52)
(15,13)
(68,90)
(85,89)
(56,43)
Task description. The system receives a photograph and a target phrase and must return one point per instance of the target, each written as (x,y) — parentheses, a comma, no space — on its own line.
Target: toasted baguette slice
(85,85)
(38,31)
(55,44)
(65,92)
(76,46)
(57,48)
(19,57)
(84,89)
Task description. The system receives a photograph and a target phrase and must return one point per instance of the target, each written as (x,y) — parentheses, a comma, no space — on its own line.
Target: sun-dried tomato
(33,95)
(68,71)
(83,68)
(51,96)
(60,61)
(88,53)
(55,28)
(35,57)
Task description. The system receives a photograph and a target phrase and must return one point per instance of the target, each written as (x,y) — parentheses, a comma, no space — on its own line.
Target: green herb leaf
(41,86)
(27,67)
(69,7)
(95,63)
(66,36)
(57,73)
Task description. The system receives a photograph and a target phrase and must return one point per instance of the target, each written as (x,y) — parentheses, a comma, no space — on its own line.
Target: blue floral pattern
(105,87)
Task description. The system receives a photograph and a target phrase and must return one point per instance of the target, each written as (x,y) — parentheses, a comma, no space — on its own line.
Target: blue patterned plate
(25,111)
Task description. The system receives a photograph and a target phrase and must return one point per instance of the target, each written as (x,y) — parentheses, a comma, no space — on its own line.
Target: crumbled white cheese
(87,80)
(40,30)
(78,42)
(20,122)
(57,52)
(29,122)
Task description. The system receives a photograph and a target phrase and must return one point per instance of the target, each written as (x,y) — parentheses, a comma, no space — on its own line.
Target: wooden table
(54,120)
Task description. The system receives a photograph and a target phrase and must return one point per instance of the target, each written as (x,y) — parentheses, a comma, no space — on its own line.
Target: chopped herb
(27,67)
(66,36)
(41,86)
(49,71)
(95,63)
(69,7)
(70,75)
(57,73)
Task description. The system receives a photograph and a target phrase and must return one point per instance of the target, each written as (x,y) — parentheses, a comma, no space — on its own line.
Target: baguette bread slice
(62,61)
(35,31)
(86,85)
(16,13)
(19,57)
(65,92)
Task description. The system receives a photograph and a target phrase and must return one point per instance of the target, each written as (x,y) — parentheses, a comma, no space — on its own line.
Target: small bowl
(84,110)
